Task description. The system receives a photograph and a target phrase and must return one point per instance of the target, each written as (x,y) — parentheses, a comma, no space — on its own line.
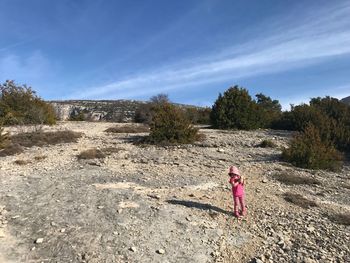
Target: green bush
(329,115)
(269,110)
(21,105)
(235,110)
(170,126)
(77,117)
(307,150)
(198,115)
(144,113)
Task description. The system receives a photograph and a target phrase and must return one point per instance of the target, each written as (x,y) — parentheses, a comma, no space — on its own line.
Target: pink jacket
(237,188)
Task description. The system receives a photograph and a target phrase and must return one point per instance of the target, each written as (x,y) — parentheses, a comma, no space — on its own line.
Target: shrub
(91,154)
(77,117)
(329,115)
(144,113)
(267,144)
(21,105)
(293,179)
(235,110)
(170,126)
(128,129)
(198,115)
(307,150)
(269,110)
(299,200)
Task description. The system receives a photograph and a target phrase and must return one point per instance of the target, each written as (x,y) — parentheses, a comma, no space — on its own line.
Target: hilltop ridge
(346,100)
(101,110)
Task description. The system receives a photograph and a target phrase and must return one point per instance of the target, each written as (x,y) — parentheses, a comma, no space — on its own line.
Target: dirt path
(156,204)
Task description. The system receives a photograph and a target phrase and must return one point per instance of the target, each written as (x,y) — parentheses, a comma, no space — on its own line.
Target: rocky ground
(166,204)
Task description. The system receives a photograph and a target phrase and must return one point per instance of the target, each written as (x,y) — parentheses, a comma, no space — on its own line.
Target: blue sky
(188,49)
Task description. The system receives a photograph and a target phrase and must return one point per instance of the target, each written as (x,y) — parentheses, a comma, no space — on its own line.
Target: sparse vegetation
(45,138)
(4,138)
(11,149)
(128,129)
(170,126)
(22,162)
(198,115)
(91,154)
(29,139)
(339,218)
(78,117)
(40,157)
(267,144)
(21,105)
(299,200)
(307,150)
(290,178)
(110,150)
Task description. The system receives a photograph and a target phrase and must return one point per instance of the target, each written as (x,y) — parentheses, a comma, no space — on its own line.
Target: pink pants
(239,200)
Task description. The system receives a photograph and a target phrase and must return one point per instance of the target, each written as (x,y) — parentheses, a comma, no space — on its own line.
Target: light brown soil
(137,200)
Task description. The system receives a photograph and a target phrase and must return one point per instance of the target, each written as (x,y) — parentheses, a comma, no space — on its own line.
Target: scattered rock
(39,240)
(160,251)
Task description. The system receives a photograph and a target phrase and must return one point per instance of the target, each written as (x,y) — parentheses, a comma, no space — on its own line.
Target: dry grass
(110,150)
(293,179)
(11,149)
(40,157)
(267,144)
(299,200)
(22,162)
(38,138)
(91,154)
(339,218)
(45,138)
(128,129)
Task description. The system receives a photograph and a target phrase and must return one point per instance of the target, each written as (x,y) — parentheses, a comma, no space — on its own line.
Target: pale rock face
(63,111)
(118,110)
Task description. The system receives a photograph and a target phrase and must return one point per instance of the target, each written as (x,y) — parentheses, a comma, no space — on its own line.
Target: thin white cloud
(320,36)
(24,69)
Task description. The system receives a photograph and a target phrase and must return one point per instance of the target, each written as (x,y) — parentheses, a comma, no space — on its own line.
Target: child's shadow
(201,206)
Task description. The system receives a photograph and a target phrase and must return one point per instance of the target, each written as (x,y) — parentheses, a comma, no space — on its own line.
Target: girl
(237,182)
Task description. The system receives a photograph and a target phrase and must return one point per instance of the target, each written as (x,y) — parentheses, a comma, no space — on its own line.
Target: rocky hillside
(100,110)
(97,110)
(346,100)
(168,204)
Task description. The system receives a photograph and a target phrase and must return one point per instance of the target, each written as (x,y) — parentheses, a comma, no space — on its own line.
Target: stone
(2,234)
(133,249)
(264,180)
(39,240)
(100,206)
(160,251)
(63,230)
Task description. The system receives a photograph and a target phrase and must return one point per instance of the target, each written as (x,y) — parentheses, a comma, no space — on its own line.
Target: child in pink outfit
(237,182)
